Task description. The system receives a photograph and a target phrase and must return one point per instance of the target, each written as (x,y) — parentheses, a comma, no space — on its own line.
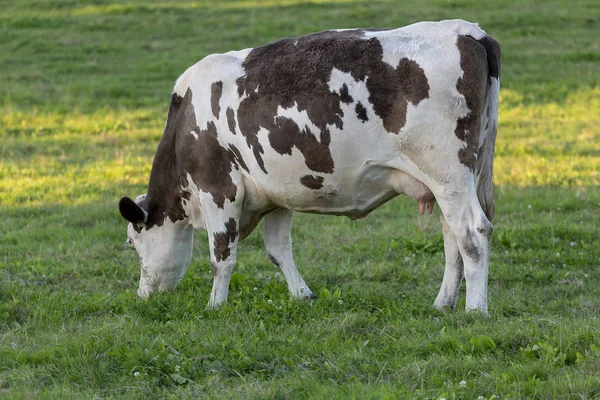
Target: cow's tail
(489,126)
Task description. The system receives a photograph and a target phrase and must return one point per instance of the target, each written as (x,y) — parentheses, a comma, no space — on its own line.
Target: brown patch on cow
(216,91)
(312,182)
(209,164)
(295,73)
(361,112)
(344,95)
(221,240)
(180,153)
(285,134)
(231,119)
(472,85)
(164,198)
(238,157)
(412,86)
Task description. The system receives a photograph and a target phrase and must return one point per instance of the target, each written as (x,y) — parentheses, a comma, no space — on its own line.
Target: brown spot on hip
(406,83)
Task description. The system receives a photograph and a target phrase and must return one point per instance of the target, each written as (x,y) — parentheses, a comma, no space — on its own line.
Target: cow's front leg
(278,242)
(223,248)
(222,226)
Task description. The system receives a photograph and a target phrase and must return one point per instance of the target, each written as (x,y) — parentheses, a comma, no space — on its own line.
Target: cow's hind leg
(472,231)
(453,273)
(278,243)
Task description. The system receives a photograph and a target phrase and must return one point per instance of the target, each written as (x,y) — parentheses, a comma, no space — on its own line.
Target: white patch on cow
(415,41)
(214,62)
(192,208)
(203,74)
(140,199)
(359,93)
(194,134)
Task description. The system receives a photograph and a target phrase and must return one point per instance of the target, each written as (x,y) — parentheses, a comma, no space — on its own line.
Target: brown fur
(231,119)
(312,182)
(216,91)
(472,85)
(297,72)
(223,239)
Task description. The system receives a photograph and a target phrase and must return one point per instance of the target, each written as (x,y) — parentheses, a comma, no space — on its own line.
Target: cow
(337,122)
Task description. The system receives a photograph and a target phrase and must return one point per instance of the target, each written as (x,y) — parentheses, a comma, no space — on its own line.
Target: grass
(84,89)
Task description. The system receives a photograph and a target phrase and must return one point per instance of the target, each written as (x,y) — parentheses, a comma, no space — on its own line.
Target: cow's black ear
(132,212)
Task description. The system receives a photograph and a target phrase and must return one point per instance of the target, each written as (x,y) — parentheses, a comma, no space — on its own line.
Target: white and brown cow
(337,122)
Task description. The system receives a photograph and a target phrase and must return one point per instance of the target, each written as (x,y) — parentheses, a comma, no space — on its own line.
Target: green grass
(84,90)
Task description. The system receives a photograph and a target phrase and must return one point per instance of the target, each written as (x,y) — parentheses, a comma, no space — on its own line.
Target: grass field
(84,90)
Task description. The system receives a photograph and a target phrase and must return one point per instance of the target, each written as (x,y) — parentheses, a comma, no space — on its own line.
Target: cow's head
(164,246)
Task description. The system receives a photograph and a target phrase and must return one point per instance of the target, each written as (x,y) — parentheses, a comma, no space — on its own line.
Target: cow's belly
(352,193)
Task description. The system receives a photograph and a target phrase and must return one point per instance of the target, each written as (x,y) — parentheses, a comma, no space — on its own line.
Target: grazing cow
(337,122)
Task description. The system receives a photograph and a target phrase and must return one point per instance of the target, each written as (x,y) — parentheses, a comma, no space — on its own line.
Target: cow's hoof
(215,306)
(304,293)
(310,296)
(477,311)
(444,308)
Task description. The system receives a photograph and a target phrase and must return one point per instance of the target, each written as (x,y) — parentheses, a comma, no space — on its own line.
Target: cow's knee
(475,240)
(223,239)
(485,228)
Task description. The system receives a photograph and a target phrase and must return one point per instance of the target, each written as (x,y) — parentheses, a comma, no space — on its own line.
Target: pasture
(84,91)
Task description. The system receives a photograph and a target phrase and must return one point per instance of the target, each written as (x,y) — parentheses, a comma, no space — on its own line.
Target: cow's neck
(164,197)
